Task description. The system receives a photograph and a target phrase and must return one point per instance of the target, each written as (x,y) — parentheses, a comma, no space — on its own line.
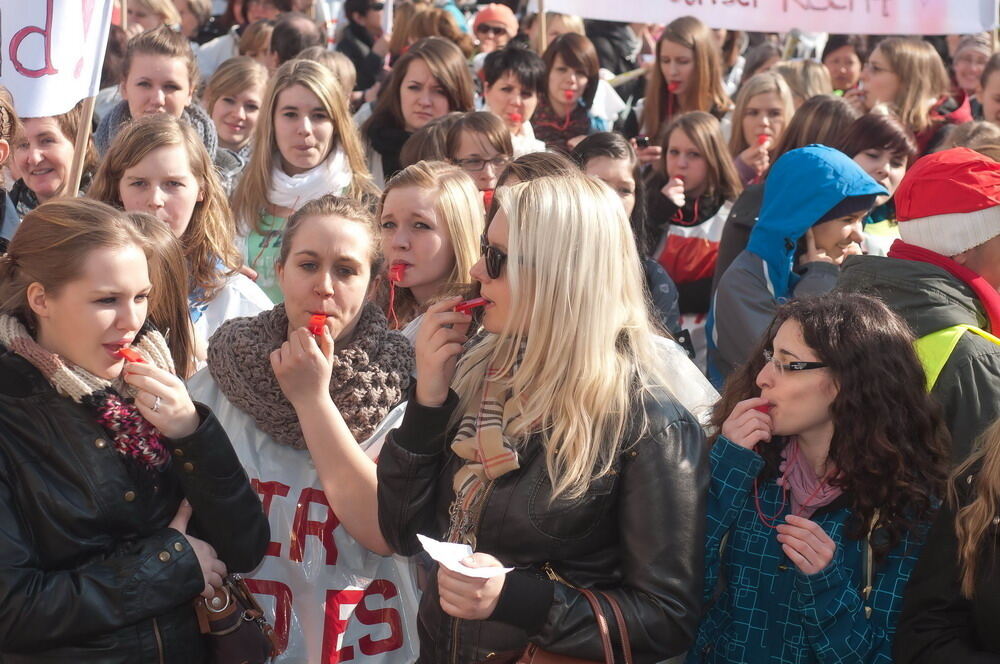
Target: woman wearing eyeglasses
(825,476)
(479,143)
(550,443)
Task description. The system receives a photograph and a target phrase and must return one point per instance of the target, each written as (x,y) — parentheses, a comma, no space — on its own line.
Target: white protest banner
(889,17)
(51,52)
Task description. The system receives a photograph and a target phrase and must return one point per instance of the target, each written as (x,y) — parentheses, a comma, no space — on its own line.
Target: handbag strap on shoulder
(602,624)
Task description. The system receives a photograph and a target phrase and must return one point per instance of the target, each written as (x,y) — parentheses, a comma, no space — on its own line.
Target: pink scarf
(808,492)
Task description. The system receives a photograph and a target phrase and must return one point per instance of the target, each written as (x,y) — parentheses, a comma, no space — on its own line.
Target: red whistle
(569,94)
(396,271)
(131,355)
(516,118)
(488,198)
(316,324)
(762,138)
(672,86)
(681,177)
(766,408)
(469,305)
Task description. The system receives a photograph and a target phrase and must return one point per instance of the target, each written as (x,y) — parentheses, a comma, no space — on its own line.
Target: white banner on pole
(52,52)
(889,17)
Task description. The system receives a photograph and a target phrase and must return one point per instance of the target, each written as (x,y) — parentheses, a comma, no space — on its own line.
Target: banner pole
(81,144)
(123,13)
(544,41)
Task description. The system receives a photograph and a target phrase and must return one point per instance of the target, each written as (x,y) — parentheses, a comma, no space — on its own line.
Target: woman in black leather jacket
(559,450)
(96,455)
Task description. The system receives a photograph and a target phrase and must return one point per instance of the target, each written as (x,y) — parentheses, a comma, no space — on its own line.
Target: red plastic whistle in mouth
(469,305)
(396,271)
(682,178)
(569,94)
(131,355)
(516,118)
(488,198)
(762,138)
(673,86)
(766,408)
(316,324)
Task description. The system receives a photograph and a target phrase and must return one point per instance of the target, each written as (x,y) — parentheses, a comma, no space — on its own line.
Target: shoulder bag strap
(867,563)
(622,627)
(602,624)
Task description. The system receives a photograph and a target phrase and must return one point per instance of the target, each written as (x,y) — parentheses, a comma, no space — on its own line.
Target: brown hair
(487,125)
(891,461)
(338,63)
(921,74)
(437,22)
(168,300)
(51,245)
(704,131)
(535,165)
(233,76)
(577,52)
(162,41)
(208,239)
(821,119)
(447,65)
(880,130)
(257,37)
(430,142)
(401,17)
(974,521)
(333,206)
(806,78)
(703,93)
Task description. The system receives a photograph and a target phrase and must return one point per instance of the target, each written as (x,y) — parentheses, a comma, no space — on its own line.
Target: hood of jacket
(802,186)
(925,295)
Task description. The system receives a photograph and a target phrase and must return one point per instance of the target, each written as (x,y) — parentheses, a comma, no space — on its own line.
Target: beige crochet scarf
(371,373)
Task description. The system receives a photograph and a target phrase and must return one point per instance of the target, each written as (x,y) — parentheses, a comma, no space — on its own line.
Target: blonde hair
(806,78)
(208,238)
(168,300)
(588,352)
(759,84)
(250,197)
(570,23)
(704,92)
(336,62)
(974,521)
(233,76)
(165,9)
(162,41)
(51,245)
(921,74)
(256,39)
(704,130)
(459,208)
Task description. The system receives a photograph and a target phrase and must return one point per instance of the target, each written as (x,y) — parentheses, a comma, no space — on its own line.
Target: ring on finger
(156,404)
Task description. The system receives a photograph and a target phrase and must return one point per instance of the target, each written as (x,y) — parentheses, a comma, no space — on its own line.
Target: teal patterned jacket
(765,611)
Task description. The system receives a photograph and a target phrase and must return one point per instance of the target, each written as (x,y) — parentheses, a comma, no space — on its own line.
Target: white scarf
(293,191)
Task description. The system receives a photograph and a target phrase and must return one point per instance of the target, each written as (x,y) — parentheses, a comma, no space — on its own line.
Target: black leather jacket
(89,572)
(637,532)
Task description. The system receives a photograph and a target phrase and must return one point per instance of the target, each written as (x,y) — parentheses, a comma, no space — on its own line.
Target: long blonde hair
(250,196)
(759,84)
(208,239)
(806,78)
(460,208)
(233,76)
(704,92)
(579,311)
(974,521)
(921,74)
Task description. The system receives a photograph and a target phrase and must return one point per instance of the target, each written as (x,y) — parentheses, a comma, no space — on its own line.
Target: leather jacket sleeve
(227,511)
(662,503)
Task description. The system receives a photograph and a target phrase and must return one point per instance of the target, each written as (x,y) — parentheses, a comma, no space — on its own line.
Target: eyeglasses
(477,164)
(493,257)
(495,30)
(791,366)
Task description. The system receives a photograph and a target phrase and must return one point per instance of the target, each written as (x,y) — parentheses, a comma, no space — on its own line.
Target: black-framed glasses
(495,30)
(493,257)
(477,164)
(791,366)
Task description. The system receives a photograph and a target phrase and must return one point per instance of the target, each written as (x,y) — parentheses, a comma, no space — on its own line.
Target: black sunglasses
(493,257)
(495,30)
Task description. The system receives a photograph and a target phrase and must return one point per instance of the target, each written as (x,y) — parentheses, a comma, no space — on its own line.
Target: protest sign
(51,52)
(888,17)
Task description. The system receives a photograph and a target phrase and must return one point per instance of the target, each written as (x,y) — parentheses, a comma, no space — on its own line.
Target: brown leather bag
(535,655)
(235,625)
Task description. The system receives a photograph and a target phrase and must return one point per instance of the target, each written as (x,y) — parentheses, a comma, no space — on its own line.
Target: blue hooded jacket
(802,186)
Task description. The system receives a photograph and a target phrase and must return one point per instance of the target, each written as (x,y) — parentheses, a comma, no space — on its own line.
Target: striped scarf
(111,401)
(486,438)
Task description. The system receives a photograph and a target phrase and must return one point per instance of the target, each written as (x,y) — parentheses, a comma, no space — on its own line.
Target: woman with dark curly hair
(825,476)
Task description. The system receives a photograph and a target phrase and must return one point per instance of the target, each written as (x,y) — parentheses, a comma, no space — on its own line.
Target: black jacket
(938,625)
(89,572)
(357,44)
(638,532)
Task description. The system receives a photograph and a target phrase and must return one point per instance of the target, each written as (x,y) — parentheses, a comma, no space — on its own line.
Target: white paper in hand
(451,554)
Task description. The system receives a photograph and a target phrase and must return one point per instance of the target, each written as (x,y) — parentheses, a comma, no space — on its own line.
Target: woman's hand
(467,597)
(857,98)
(745,426)
(162,399)
(649,154)
(213,569)
(674,191)
(438,344)
(806,544)
(757,157)
(303,366)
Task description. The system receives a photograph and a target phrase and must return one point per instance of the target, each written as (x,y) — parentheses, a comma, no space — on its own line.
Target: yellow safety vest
(935,348)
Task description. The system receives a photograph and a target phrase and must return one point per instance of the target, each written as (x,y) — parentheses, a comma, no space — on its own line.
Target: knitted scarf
(112,402)
(808,492)
(486,438)
(370,373)
(119,116)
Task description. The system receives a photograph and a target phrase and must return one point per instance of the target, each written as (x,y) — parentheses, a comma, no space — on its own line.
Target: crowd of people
(687,333)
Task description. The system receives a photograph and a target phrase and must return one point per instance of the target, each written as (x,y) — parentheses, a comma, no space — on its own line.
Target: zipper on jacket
(475,536)
(159,641)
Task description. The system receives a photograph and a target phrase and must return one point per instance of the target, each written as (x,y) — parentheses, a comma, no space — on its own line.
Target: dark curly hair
(889,441)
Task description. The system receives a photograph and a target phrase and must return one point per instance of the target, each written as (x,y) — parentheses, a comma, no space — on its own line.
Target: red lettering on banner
(282,606)
(870,6)
(22,34)
(268,490)
(386,615)
(335,625)
(302,526)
